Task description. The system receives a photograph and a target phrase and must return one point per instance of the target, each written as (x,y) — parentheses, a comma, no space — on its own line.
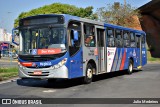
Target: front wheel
(130,67)
(89,74)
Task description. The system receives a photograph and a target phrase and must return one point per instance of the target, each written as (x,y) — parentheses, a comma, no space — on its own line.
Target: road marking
(74,89)
(49,91)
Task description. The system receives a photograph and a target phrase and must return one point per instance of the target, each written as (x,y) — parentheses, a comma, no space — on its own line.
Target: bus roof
(123,28)
(70,17)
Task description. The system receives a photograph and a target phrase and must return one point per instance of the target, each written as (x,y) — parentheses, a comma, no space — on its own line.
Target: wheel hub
(89,73)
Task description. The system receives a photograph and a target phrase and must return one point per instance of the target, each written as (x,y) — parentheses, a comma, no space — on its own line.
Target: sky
(10,9)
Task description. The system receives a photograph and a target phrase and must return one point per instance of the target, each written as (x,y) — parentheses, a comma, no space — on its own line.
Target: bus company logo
(34,65)
(45,63)
(134,53)
(110,53)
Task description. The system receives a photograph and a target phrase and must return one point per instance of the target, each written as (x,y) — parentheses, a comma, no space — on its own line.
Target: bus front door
(101,49)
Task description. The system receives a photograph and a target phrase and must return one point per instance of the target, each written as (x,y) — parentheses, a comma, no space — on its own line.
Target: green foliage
(150,58)
(7,73)
(119,14)
(58,8)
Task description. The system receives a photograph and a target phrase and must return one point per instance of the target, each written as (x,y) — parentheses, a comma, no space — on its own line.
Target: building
(6,45)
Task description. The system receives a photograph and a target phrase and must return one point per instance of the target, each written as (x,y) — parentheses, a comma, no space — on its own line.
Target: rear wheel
(130,67)
(89,74)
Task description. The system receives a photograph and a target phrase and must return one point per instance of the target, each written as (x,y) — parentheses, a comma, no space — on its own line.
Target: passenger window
(143,41)
(138,40)
(89,35)
(133,42)
(110,37)
(126,39)
(119,38)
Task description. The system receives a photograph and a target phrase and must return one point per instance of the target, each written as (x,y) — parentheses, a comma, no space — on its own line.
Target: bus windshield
(43,38)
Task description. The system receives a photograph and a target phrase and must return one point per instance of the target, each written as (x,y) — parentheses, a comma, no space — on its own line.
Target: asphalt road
(141,84)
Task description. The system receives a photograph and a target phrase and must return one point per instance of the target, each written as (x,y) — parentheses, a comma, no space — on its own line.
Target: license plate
(37,72)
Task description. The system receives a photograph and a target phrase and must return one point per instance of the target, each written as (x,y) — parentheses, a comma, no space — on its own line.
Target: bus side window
(126,39)
(138,40)
(89,35)
(133,42)
(110,37)
(118,38)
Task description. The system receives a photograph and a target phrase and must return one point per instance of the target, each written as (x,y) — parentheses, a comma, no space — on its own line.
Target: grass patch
(150,58)
(7,73)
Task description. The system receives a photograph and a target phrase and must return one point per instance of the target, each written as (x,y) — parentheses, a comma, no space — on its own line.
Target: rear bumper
(47,73)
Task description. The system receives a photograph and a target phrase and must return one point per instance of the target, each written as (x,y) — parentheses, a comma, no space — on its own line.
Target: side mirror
(15,36)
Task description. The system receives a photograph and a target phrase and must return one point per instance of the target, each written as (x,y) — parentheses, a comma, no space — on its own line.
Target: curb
(9,80)
(153,62)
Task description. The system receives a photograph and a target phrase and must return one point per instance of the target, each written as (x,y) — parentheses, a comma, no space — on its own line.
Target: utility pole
(124,2)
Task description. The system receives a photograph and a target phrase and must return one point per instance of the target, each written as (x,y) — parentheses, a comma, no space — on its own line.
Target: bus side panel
(117,60)
(111,54)
(138,56)
(127,51)
(135,56)
(144,56)
(123,61)
(126,55)
(76,67)
(122,57)
(130,53)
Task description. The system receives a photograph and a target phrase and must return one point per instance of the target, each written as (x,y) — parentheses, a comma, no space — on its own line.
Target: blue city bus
(57,46)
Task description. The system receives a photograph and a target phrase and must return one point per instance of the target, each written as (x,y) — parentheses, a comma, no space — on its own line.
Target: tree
(124,15)
(58,8)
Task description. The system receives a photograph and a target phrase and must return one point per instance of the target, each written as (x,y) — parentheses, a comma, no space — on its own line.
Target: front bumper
(47,73)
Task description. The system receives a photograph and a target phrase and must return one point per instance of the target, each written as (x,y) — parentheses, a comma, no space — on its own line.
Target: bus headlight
(61,63)
(19,64)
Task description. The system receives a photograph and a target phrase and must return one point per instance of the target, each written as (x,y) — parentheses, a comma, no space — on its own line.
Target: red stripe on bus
(26,64)
(123,60)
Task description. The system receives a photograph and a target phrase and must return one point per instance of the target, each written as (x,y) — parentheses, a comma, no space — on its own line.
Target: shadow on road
(59,84)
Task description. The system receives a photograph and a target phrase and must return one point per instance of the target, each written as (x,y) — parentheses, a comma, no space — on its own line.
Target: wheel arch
(93,63)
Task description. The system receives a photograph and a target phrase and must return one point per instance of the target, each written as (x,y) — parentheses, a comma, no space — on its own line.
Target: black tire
(130,67)
(23,78)
(51,80)
(89,74)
